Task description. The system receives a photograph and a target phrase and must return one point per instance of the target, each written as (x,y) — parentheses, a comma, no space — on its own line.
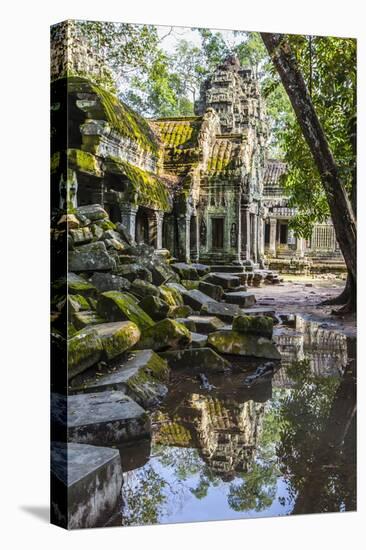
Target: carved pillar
(239,229)
(159,229)
(128,218)
(272,236)
(246,232)
(255,238)
(260,236)
(300,247)
(184,223)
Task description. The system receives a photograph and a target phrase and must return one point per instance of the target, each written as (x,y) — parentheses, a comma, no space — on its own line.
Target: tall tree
(340,207)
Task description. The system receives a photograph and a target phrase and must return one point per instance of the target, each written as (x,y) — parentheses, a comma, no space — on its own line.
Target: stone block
(91,257)
(206,324)
(242,299)
(105,418)
(203,359)
(225,312)
(92,477)
(250,345)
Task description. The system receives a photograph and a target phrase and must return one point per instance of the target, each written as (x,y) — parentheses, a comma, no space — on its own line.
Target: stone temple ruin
(202,187)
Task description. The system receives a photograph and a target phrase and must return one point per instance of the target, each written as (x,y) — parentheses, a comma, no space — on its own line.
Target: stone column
(184,224)
(272,236)
(260,236)
(255,238)
(239,229)
(246,233)
(300,247)
(159,229)
(128,218)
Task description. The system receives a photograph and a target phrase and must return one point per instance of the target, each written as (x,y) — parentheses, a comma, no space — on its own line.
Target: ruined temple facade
(201,186)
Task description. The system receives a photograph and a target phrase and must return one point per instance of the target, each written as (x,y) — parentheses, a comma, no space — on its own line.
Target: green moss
(171,296)
(83,350)
(105,224)
(147,188)
(179,132)
(83,161)
(167,334)
(117,306)
(77,302)
(190,285)
(119,338)
(252,324)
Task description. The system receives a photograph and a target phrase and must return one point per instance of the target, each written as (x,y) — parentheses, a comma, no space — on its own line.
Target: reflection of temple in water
(225,431)
(326,350)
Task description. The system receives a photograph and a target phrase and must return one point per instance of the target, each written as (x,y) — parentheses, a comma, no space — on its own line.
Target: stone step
(105,418)
(93,478)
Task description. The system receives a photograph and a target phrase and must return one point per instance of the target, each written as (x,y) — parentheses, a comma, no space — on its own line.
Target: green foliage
(329,68)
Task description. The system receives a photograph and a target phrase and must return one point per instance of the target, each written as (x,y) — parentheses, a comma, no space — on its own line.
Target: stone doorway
(217,226)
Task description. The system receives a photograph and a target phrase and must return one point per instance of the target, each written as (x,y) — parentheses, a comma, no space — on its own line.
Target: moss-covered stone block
(180,311)
(156,308)
(236,343)
(165,335)
(83,350)
(141,289)
(116,337)
(118,306)
(248,324)
(170,295)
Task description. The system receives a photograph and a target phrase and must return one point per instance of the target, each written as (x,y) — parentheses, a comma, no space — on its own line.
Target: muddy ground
(303,295)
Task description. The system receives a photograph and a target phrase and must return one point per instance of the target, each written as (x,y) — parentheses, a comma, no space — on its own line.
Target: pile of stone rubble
(132,315)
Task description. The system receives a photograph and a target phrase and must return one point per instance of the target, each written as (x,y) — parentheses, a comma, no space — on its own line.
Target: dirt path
(302,295)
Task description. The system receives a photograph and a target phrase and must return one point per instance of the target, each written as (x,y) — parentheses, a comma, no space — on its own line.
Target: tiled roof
(273,172)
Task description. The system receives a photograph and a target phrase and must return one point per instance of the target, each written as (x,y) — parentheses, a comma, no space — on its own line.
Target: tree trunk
(339,204)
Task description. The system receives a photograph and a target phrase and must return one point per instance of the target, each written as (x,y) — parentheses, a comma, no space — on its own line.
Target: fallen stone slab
(82,319)
(236,343)
(225,280)
(180,311)
(116,337)
(83,350)
(141,289)
(196,299)
(171,294)
(214,291)
(189,323)
(185,271)
(142,375)
(203,359)
(105,418)
(201,269)
(156,308)
(225,312)
(107,281)
(117,306)
(266,311)
(251,324)
(91,257)
(198,340)
(78,285)
(206,324)
(242,299)
(165,335)
(92,212)
(132,271)
(177,286)
(93,479)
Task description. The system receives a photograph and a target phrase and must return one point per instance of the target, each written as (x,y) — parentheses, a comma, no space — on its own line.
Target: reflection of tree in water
(317,442)
(143,496)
